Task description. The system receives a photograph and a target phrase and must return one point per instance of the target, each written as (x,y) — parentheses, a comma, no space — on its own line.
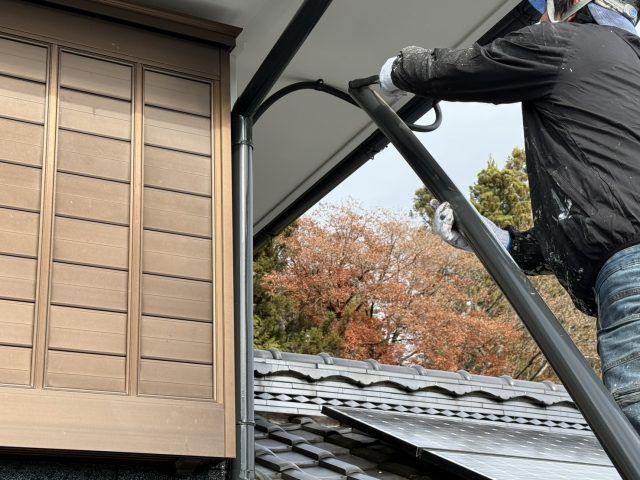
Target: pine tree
(502,195)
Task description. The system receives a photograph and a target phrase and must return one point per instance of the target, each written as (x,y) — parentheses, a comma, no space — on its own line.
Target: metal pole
(262,82)
(292,38)
(617,436)
(241,130)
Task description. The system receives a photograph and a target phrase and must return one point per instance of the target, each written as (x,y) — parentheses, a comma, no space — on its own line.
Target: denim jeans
(618,295)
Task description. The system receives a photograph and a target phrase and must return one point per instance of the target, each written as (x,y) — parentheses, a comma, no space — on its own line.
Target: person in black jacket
(577,74)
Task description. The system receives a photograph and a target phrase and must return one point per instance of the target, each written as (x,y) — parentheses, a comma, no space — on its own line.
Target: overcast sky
(470,132)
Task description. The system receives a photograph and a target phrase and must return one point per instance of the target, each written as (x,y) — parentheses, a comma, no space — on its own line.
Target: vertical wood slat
(224,378)
(135,232)
(46,221)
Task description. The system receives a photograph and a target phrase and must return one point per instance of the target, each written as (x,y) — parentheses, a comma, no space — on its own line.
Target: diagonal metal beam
(617,436)
(292,38)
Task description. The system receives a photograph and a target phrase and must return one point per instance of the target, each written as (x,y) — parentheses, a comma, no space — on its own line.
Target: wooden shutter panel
(115,235)
(177,286)
(23,83)
(88,317)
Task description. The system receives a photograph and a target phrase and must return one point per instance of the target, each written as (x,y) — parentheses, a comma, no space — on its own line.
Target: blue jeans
(618,295)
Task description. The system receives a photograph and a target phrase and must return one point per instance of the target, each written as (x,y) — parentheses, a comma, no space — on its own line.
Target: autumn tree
(502,195)
(376,285)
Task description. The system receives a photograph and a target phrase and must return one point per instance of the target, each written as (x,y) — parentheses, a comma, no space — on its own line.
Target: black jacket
(579,85)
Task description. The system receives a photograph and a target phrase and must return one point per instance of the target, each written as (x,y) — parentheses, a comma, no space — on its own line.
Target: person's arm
(522,246)
(525,250)
(519,67)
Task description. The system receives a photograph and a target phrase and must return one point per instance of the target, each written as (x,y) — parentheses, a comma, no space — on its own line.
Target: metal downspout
(290,41)
(243,465)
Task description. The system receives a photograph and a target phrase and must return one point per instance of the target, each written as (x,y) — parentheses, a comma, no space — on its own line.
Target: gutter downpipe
(283,51)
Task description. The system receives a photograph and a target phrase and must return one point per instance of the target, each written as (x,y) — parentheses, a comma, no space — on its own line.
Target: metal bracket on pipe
(617,436)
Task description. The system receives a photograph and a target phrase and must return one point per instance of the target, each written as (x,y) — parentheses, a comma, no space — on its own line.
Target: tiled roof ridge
(324,367)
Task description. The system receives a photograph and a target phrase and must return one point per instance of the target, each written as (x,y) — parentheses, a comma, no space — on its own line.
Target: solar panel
(486,450)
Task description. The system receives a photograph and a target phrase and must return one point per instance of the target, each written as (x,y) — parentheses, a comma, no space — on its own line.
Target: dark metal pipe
(243,466)
(318,85)
(280,55)
(617,436)
(290,41)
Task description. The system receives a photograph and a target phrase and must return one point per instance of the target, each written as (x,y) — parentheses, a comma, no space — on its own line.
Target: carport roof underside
(308,142)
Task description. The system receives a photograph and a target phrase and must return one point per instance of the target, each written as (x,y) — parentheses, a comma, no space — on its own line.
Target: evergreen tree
(502,195)
(421,206)
(272,312)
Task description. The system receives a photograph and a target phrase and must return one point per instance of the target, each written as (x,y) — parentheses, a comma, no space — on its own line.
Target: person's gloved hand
(386,84)
(443,225)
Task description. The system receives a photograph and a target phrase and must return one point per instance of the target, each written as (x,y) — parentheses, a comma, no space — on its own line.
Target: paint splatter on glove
(386,84)
(443,219)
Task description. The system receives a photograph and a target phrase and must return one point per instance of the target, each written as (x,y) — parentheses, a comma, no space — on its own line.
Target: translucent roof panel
(487,450)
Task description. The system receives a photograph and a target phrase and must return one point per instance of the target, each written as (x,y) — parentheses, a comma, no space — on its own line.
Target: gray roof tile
(286,437)
(275,463)
(303,384)
(294,441)
(324,460)
(312,451)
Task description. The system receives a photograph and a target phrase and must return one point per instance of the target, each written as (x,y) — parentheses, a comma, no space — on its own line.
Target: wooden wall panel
(175,93)
(95,76)
(177,298)
(22,99)
(177,255)
(86,372)
(79,286)
(94,156)
(88,316)
(21,142)
(176,345)
(17,278)
(78,329)
(126,276)
(180,171)
(178,131)
(20,187)
(177,212)
(92,199)
(19,233)
(89,113)
(23,60)
(15,365)
(90,243)
(176,379)
(181,340)
(16,323)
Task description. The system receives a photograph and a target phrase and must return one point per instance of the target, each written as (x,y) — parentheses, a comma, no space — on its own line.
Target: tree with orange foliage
(378,285)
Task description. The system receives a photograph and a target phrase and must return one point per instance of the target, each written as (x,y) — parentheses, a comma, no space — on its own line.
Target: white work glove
(443,225)
(386,84)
